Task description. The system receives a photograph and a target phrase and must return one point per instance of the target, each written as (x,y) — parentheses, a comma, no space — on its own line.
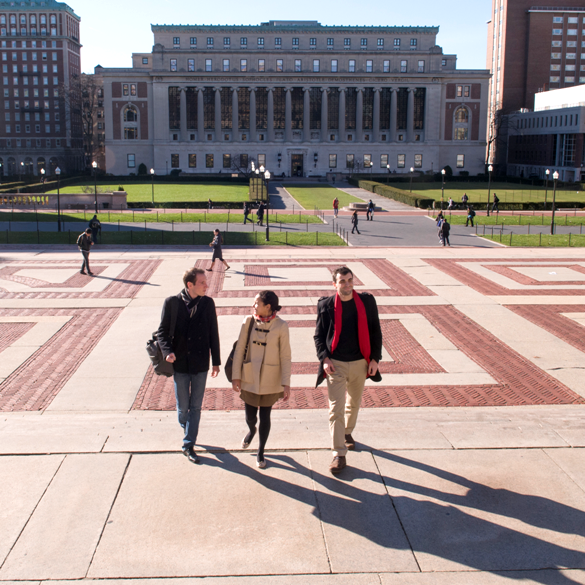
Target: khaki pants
(350,376)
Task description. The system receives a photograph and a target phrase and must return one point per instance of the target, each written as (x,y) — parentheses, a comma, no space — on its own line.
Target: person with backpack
(189,346)
(260,213)
(217,254)
(95,226)
(495,205)
(84,243)
(440,221)
(470,215)
(464,199)
(370,211)
(445,229)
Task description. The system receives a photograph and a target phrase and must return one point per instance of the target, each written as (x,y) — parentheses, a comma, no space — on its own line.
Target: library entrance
(296,165)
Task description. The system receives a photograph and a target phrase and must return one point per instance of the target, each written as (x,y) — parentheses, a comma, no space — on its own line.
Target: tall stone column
(306,114)
(359,115)
(288,114)
(252,114)
(341,114)
(324,113)
(200,116)
(376,120)
(393,112)
(270,114)
(183,113)
(410,116)
(217,113)
(235,117)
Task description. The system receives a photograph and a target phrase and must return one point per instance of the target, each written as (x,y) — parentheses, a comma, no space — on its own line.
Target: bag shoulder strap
(248,338)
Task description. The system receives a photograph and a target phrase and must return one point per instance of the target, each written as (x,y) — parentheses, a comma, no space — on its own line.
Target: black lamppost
(94,165)
(152,175)
(411,171)
(388,180)
(267,178)
(21,172)
(43,179)
(490,169)
(552,221)
(547,173)
(443,173)
(58,173)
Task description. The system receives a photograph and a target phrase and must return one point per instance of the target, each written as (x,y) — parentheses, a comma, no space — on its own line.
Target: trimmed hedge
(393,193)
(186,204)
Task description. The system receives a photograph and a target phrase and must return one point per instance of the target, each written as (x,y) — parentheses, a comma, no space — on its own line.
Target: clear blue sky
(111,30)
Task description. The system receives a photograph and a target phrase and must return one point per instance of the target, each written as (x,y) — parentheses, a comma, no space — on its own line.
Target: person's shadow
(429,528)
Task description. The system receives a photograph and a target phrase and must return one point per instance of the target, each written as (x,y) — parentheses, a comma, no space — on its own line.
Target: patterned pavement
(499,329)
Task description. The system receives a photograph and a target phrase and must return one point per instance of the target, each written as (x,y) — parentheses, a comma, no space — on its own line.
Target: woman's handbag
(229,365)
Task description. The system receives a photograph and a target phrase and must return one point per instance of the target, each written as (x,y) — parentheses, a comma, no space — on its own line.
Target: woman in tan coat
(262,366)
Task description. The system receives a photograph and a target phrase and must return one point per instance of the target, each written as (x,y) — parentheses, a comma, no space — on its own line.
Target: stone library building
(300,98)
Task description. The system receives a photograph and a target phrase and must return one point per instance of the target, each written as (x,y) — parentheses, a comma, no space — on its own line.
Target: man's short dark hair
(191,275)
(343,270)
(88,231)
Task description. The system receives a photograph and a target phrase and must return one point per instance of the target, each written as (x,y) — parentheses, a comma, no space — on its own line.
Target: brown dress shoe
(337,464)
(349,442)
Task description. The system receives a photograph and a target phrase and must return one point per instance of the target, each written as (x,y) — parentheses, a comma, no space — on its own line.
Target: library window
(401,161)
(295,42)
(403,66)
(380,42)
(316,65)
(207,64)
(386,66)
(175,161)
(261,65)
(191,64)
(333,65)
(313,42)
(208,161)
(413,42)
(131,161)
(397,42)
(173,64)
(226,65)
(192,161)
(176,41)
(243,65)
(460,161)
(193,41)
(244,41)
(351,66)
(332,161)
(279,66)
(369,66)
(347,42)
(297,65)
(364,42)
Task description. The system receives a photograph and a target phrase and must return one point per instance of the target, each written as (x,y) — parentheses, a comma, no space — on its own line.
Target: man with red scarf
(348,339)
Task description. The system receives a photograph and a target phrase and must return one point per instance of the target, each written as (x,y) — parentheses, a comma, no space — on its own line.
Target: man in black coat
(188,348)
(348,340)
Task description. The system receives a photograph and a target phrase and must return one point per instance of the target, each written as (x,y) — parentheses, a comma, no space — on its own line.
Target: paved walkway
(469,462)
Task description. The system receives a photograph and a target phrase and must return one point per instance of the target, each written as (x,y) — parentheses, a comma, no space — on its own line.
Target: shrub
(393,193)
(142,169)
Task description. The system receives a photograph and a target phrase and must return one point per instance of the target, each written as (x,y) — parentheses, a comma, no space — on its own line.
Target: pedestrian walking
(260,213)
(440,221)
(217,253)
(262,367)
(464,199)
(96,227)
(209,205)
(348,340)
(189,347)
(370,211)
(445,230)
(451,205)
(247,212)
(495,205)
(335,207)
(354,221)
(84,243)
(470,215)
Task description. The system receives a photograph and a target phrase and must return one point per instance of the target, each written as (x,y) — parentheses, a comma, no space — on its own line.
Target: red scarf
(265,319)
(363,331)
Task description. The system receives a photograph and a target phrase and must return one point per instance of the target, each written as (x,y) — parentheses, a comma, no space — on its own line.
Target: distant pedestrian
(209,205)
(495,205)
(335,207)
(354,222)
(439,219)
(84,243)
(96,227)
(470,215)
(439,223)
(370,211)
(451,204)
(246,212)
(445,229)
(217,254)
(260,213)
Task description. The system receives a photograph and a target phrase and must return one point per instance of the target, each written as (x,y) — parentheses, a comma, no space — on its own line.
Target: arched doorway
(28,166)
(53,164)
(11,171)
(41,164)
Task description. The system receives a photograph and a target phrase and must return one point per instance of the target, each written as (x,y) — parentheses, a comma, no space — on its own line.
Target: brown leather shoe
(349,442)
(337,464)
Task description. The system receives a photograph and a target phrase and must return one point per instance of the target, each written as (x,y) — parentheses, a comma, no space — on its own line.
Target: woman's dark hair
(269,297)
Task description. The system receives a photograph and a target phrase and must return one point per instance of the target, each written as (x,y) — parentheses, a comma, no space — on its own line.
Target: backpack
(154,351)
(471,213)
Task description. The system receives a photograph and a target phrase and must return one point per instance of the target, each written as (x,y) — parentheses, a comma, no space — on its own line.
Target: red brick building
(40,60)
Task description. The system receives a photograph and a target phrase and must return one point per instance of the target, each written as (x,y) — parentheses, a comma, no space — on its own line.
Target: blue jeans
(189,390)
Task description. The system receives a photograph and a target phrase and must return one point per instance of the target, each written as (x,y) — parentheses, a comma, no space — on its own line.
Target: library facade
(299,98)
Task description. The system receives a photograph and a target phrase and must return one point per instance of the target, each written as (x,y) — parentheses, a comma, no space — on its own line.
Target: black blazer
(326,328)
(194,339)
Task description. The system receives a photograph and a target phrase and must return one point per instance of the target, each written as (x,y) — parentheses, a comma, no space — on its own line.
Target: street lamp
(21,171)
(267,178)
(94,165)
(411,171)
(152,175)
(443,173)
(547,173)
(388,180)
(43,179)
(58,173)
(552,221)
(490,169)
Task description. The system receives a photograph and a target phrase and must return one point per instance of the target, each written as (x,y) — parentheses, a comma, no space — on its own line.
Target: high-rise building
(531,49)
(298,97)
(40,60)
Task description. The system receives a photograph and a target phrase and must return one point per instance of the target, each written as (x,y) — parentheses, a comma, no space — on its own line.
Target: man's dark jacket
(326,328)
(195,337)
(84,242)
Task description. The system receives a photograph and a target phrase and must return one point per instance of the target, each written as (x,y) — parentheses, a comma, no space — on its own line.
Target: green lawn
(320,196)
(478,192)
(536,240)
(171,192)
(525,219)
(158,238)
(140,216)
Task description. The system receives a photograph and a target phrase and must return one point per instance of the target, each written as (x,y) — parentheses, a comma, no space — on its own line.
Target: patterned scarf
(363,330)
(265,319)
(190,303)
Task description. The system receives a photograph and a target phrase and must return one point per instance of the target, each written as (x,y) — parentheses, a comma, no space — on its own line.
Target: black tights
(263,429)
